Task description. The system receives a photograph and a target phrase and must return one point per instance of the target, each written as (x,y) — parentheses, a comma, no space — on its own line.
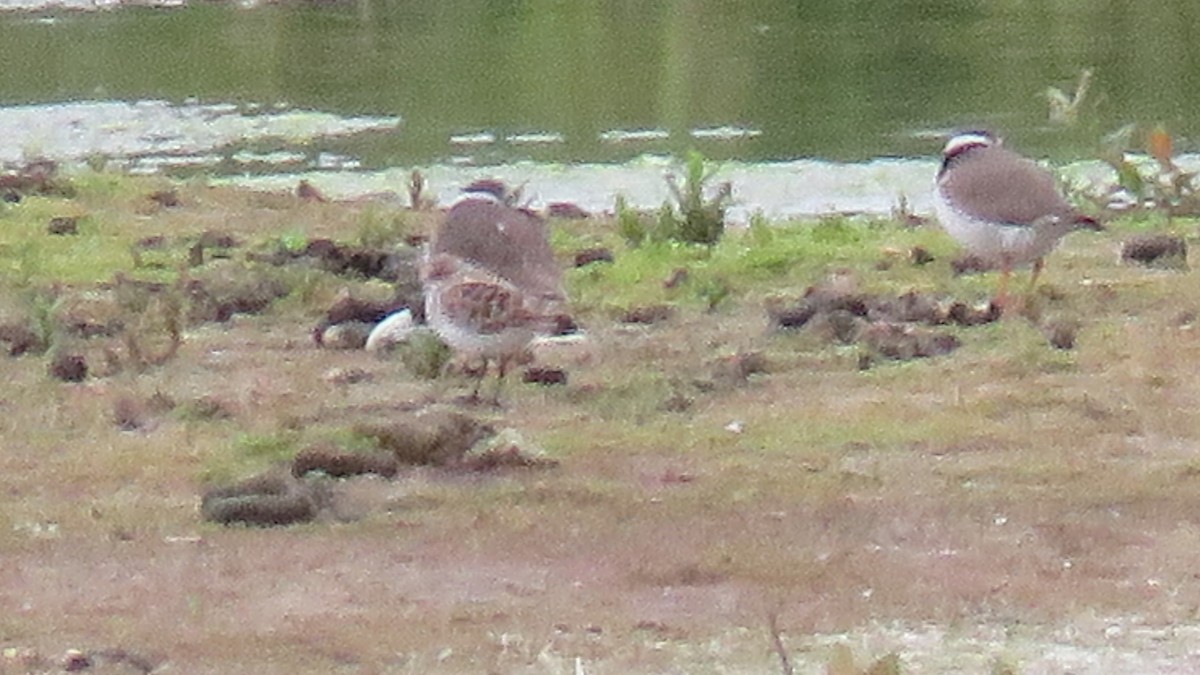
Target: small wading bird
(491,279)
(479,314)
(486,228)
(1001,207)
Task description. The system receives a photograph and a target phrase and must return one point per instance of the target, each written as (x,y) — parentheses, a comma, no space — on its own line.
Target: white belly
(993,242)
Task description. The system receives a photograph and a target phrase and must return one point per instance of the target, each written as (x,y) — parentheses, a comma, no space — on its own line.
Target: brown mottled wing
(989,178)
(487,308)
(509,242)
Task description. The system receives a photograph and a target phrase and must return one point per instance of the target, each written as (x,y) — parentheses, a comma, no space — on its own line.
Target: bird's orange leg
(1001,300)
(1037,271)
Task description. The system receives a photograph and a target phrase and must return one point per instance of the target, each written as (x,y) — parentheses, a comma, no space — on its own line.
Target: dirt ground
(1009,507)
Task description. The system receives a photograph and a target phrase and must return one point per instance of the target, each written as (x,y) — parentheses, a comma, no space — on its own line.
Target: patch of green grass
(378,228)
(249,453)
(764,258)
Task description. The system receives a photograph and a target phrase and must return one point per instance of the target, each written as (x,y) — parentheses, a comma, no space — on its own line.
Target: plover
(1002,207)
(486,228)
(479,314)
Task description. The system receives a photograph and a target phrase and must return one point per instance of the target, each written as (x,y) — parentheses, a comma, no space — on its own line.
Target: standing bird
(487,229)
(479,314)
(1000,206)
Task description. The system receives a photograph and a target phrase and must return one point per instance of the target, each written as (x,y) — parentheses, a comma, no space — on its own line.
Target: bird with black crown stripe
(1001,207)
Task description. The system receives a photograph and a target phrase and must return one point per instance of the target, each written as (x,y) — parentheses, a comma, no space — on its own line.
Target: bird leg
(502,368)
(1028,306)
(1037,270)
(1001,299)
(479,375)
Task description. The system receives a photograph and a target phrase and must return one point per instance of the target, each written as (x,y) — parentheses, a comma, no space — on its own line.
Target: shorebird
(486,228)
(1002,207)
(480,315)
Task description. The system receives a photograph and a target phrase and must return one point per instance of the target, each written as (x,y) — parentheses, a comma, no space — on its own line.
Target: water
(370,88)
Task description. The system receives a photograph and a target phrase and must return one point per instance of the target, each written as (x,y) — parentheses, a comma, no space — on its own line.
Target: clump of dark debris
(435,437)
(333,461)
(1156,250)
(648,314)
(908,326)
(303,489)
(271,498)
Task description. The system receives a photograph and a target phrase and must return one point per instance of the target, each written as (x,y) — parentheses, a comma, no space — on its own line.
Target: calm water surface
(460,86)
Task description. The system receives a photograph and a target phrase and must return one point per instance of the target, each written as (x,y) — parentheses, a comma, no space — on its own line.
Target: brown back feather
(518,250)
(990,185)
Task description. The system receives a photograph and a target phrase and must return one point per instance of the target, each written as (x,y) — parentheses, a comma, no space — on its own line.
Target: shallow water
(808,109)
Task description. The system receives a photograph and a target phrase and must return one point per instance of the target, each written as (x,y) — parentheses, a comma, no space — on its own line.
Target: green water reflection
(838,79)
